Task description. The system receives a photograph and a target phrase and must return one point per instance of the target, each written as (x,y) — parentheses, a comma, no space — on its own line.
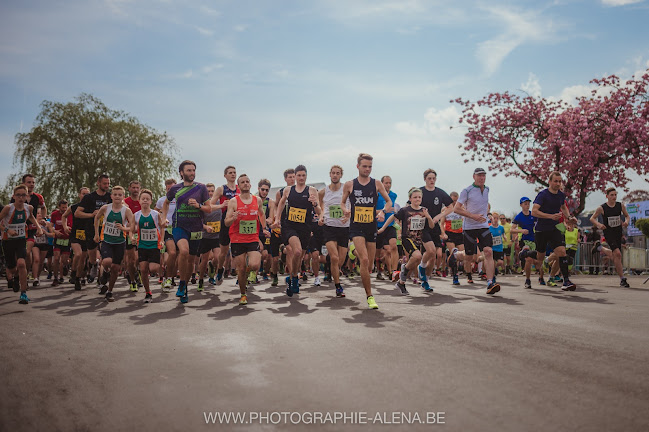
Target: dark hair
(383,178)
(134,182)
(63,201)
(229,167)
(181,168)
(288,171)
(146,191)
(27,175)
(170,181)
(263,182)
(609,190)
(428,171)
(101,177)
(300,168)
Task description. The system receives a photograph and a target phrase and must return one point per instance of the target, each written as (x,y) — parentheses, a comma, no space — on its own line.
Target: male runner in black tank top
(296,228)
(611,212)
(276,233)
(220,199)
(363,194)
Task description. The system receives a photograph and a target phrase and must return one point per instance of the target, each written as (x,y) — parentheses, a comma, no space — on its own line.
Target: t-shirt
(434,201)
(526,222)
(475,201)
(172,207)
(549,203)
(380,204)
(37,201)
(497,234)
(188,217)
(413,223)
(133,204)
(91,202)
(507,240)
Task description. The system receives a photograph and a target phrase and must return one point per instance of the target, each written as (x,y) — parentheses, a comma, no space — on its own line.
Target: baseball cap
(523,199)
(479,171)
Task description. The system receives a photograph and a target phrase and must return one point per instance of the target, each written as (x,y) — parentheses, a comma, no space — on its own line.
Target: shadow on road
(293,309)
(370,318)
(151,318)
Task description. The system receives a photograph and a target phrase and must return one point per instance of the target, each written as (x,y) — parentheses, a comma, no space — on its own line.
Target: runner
(611,212)
(434,199)
(133,202)
(473,204)
(335,230)
(276,233)
(414,219)
(13,223)
(549,207)
(171,263)
(452,229)
(87,210)
(364,192)
(61,256)
(222,195)
(497,234)
(386,240)
(192,202)
(38,203)
(507,242)
(118,223)
(523,224)
(301,203)
(268,206)
(149,239)
(210,246)
(78,243)
(245,214)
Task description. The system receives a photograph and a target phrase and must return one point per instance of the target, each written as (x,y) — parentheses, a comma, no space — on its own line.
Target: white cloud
(204,31)
(532,86)
(520,28)
(240,28)
(209,11)
(620,2)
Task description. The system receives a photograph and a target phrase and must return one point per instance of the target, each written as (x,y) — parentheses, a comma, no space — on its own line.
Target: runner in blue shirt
(386,241)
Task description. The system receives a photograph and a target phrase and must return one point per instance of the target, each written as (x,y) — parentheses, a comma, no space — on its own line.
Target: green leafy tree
(72,143)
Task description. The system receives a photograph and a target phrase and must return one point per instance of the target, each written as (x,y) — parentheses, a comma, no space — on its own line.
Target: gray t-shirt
(475,201)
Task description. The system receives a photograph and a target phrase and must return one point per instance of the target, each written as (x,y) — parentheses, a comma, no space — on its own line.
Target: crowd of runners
(202,231)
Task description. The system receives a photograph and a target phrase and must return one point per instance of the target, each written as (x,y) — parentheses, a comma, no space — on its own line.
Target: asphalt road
(531,360)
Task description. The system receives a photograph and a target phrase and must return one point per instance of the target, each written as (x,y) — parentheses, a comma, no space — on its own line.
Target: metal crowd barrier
(634,260)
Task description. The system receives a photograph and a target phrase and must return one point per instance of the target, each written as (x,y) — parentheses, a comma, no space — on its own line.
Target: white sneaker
(316,281)
(93,271)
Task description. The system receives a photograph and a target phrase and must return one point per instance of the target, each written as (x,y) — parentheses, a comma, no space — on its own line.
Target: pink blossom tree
(593,143)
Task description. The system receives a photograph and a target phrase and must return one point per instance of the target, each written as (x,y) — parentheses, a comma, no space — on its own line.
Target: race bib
(417,223)
(324,251)
(277,231)
(248,226)
(18,228)
(497,240)
(335,211)
(216,226)
(196,235)
(297,215)
(149,235)
(364,214)
(110,229)
(614,221)
(456,224)
(40,240)
(63,242)
(267,241)
(80,235)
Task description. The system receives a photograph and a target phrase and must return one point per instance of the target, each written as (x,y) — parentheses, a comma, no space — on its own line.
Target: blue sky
(266,85)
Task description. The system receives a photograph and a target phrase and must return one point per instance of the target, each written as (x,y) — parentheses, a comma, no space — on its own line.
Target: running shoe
(304,276)
(211,270)
(493,288)
(295,286)
(452,261)
(166,287)
(395,275)
(528,284)
(289,291)
(184,299)
(252,277)
(109,296)
(372,303)
(49,275)
(469,279)
(402,288)
(148,298)
(193,279)
(456,280)
(340,292)
(182,290)
(103,289)
(219,275)
(422,272)
(212,281)
(134,287)
(23,298)
(55,282)
(36,283)
(288,280)
(424,285)
(379,276)
(77,285)
(568,286)
(275,281)
(243,300)
(200,285)
(624,283)
(551,282)
(265,276)
(541,281)
(316,281)
(438,273)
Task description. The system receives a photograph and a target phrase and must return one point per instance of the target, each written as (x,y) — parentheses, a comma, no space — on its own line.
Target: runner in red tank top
(244,211)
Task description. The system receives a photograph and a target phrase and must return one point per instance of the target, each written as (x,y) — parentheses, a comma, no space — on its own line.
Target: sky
(268,85)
